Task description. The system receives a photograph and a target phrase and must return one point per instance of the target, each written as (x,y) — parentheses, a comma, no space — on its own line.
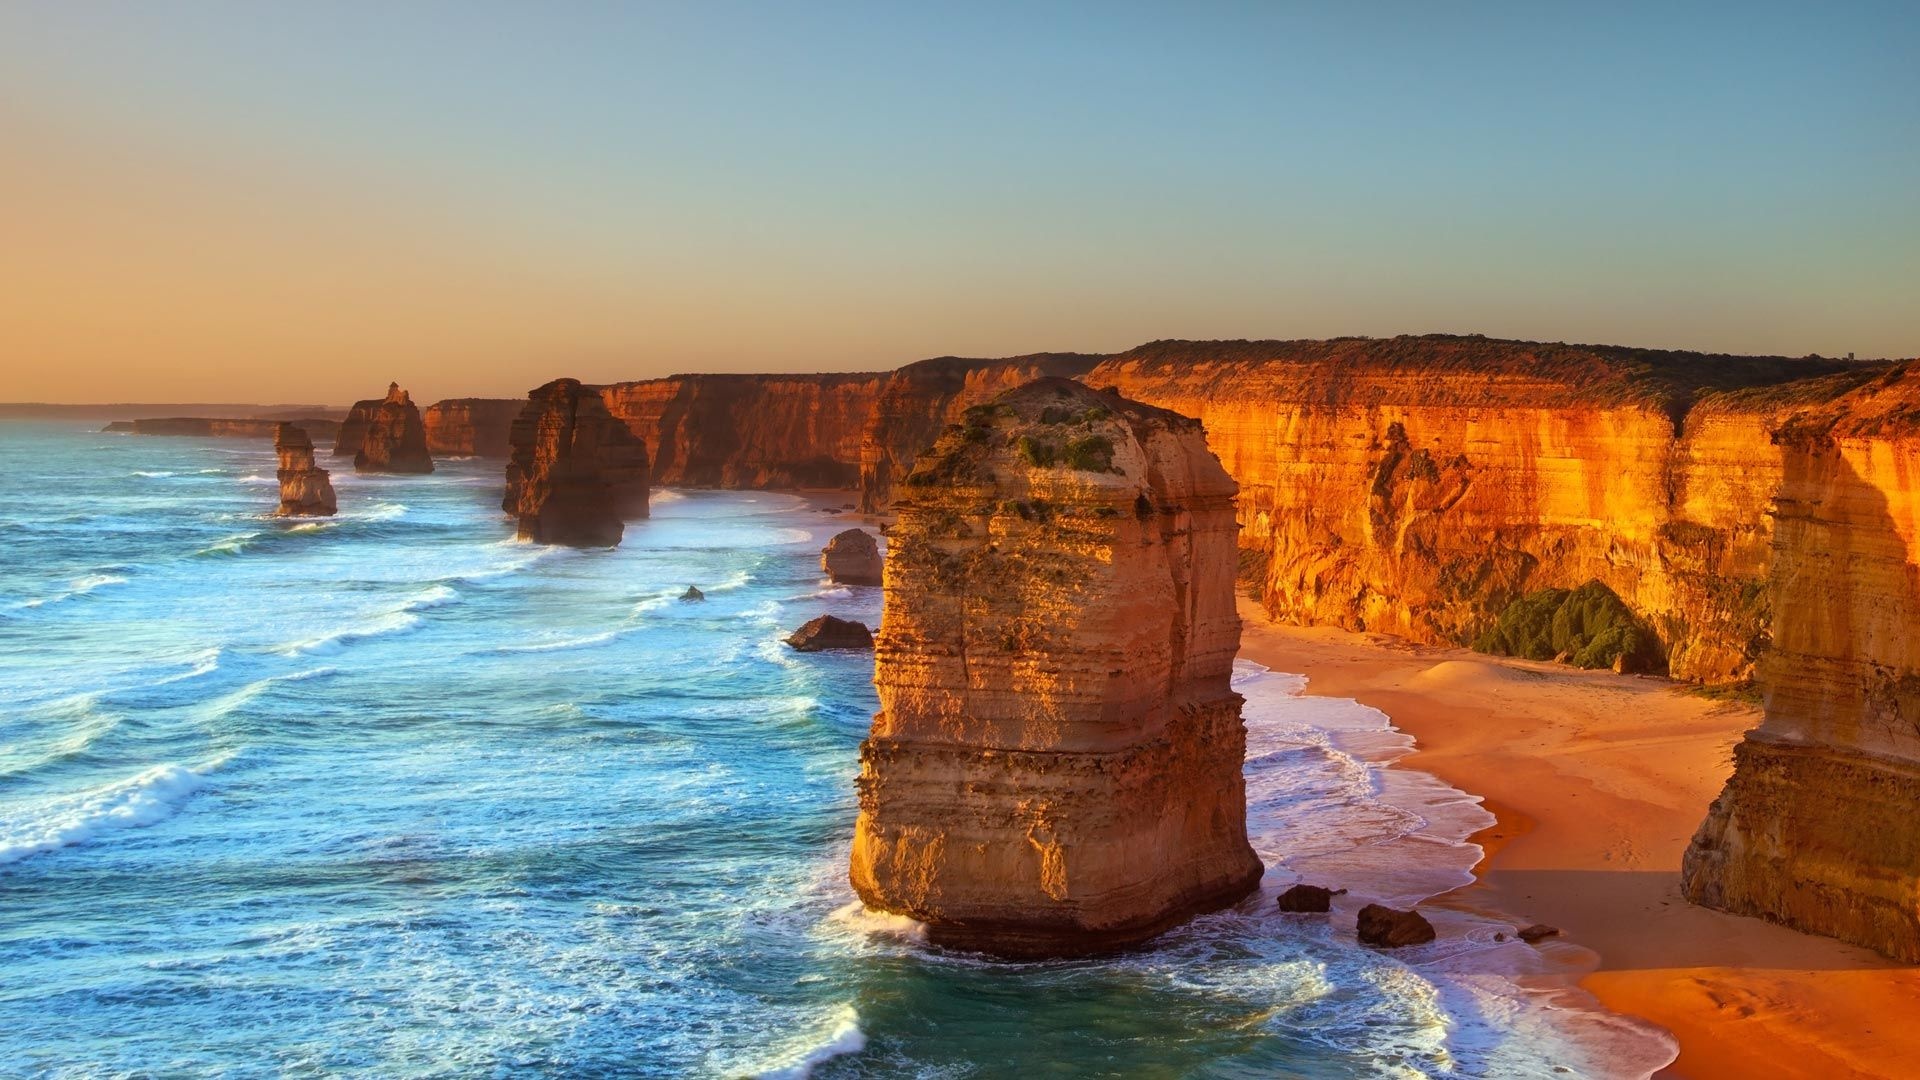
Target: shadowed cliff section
(576,474)
(749,431)
(471,427)
(1056,765)
(1819,827)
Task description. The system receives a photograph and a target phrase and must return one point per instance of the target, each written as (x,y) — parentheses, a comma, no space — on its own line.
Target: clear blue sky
(303,201)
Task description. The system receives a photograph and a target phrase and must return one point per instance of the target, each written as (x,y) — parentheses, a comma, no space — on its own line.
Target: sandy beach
(1598,781)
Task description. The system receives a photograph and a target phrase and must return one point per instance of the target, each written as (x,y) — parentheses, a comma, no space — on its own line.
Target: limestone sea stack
(576,474)
(305,490)
(1819,826)
(852,558)
(1056,765)
(392,437)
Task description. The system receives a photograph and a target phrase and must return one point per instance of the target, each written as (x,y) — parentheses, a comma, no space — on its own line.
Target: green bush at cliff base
(1588,627)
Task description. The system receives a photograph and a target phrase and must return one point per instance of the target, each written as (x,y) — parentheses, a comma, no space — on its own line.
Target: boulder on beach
(1538,932)
(1389,928)
(1308,898)
(852,558)
(827,632)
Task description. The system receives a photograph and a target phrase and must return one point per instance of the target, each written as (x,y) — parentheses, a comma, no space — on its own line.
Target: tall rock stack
(575,474)
(305,490)
(393,438)
(1819,827)
(1056,766)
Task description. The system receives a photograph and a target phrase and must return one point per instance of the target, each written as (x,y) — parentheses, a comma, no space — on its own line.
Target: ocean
(392,794)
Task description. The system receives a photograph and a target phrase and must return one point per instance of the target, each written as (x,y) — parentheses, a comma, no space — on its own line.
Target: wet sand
(1598,781)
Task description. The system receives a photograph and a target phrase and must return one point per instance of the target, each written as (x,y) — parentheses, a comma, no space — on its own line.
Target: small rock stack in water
(305,490)
(852,558)
(1055,768)
(576,474)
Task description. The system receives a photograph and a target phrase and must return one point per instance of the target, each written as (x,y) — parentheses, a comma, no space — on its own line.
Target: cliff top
(1447,368)
(1049,423)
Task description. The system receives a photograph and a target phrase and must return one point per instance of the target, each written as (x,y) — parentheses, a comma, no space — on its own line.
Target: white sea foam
(827,591)
(438,596)
(840,1035)
(143,799)
(230,545)
(151,475)
(586,642)
(393,622)
(256,478)
(79,586)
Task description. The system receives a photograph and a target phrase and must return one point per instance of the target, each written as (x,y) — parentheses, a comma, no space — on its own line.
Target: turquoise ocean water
(394,795)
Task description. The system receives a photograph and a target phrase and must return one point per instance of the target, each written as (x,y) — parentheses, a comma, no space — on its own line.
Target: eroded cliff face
(390,436)
(1417,486)
(576,474)
(1819,827)
(1055,768)
(471,427)
(749,431)
(918,402)
(305,490)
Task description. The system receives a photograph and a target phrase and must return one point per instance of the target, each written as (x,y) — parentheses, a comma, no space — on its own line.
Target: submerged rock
(1389,928)
(1056,765)
(1308,898)
(852,558)
(1538,932)
(827,632)
(386,435)
(576,474)
(305,490)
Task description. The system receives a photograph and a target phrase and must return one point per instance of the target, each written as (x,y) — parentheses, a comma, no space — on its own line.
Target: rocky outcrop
(471,427)
(749,431)
(305,490)
(385,435)
(827,632)
(221,428)
(1819,827)
(852,558)
(1055,767)
(919,401)
(576,474)
(1389,928)
(1418,486)
(1307,899)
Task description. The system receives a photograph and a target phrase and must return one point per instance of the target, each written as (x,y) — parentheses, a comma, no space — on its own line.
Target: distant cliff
(470,427)
(749,431)
(1817,827)
(223,428)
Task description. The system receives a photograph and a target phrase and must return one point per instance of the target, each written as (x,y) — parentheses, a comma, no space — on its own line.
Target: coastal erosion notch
(1056,765)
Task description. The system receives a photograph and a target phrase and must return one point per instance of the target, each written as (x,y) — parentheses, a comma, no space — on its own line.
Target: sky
(284,202)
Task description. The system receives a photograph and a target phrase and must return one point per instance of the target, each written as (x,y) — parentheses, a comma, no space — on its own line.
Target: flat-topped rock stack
(385,435)
(305,490)
(576,474)
(1056,765)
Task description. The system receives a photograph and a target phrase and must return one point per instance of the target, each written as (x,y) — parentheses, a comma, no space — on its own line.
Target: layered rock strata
(852,558)
(1418,486)
(1055,767)
(1819,826)
(305,490)
(385,435)
(471,427)
(576,474)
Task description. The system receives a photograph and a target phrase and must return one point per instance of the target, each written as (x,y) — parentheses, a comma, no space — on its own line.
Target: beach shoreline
(1597,782)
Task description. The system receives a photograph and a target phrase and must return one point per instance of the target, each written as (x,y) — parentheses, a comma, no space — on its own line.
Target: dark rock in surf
(1388,928)
(827,632)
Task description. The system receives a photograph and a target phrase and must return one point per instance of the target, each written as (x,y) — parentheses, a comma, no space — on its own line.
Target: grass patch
(1588,627)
